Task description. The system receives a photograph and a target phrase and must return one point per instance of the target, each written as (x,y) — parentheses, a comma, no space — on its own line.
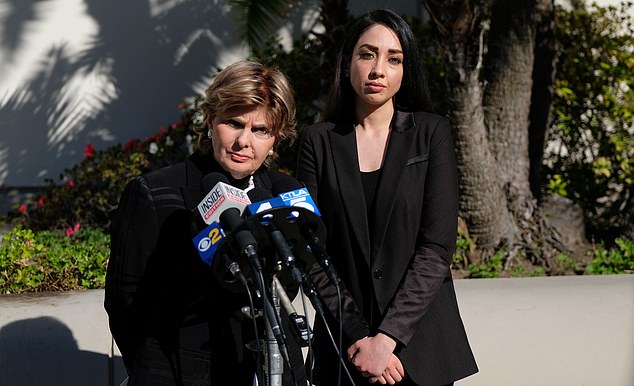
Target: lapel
(401,139)
(344,151)
(343,143)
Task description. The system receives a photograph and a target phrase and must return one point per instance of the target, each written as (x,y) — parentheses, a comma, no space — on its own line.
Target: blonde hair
(248,83)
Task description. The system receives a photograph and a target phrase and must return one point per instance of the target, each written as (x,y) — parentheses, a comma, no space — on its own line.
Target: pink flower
(70,182)
(89,151)
(28,243)
(40,202)
(71,230)
(174,126)
(22,209)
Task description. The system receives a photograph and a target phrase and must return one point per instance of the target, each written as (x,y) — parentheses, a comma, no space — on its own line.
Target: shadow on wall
(139,65)
(42,351)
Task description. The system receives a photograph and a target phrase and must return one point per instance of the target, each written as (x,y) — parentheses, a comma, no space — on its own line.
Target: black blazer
(399,272)
(173,322)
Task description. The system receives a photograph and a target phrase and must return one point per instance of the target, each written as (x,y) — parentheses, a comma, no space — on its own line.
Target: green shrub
(591,154)
(491,268)
(53,260)
(618,259)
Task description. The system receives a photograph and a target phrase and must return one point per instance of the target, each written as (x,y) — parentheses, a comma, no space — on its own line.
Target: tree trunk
(507,98)
(482,200)
(490,104)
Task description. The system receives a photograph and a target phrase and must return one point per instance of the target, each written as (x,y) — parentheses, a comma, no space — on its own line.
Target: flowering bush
(86,194)
(52,261)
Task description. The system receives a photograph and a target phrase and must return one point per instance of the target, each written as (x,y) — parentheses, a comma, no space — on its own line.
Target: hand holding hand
(371,355)
(393,373)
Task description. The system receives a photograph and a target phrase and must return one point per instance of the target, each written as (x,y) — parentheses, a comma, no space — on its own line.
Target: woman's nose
(244,138)
(377,70)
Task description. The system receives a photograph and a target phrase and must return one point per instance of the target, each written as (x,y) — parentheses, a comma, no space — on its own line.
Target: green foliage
(87,193)
(257,18)
(558,185)
(618,259)
(564,263)
(429,48)
(52,260)
(310,66)
(491,268)
(590,157)
(303,70)
(521,271)
(301,65)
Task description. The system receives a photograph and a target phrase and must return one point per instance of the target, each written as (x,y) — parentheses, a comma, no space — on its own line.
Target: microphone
(316,247)
(220,197)
(233,267)
(228,213)
(300,325)
(299,196)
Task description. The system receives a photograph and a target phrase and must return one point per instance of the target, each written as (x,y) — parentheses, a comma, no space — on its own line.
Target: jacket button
(378,274)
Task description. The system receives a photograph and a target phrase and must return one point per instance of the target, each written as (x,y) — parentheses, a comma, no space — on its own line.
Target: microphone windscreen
(210,180)
(258,194)
(287,184)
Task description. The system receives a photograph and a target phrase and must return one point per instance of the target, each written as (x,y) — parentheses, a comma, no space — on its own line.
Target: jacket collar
(198,165)
(344,149)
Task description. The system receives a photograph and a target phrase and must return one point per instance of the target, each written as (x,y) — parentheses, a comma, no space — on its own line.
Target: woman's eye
(261,132)
(366,55)
(395,60)
(233,123)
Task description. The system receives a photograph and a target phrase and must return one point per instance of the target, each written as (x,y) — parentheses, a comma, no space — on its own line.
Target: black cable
(332,340)
(237,273)
(340,318)
(310,339)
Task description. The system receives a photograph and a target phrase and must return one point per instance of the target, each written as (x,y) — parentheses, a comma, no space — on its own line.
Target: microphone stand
(288,220)
(272,354)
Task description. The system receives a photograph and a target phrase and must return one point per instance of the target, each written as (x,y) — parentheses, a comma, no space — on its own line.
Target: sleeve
(429,267)
(134,233)
(355,326)
(307,165)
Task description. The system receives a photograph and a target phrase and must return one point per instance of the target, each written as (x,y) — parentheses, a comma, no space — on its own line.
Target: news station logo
(207,241)
(218,195)
(300,198)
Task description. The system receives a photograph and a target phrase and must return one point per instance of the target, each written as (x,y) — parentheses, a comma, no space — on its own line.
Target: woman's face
(242,139)
(376,68)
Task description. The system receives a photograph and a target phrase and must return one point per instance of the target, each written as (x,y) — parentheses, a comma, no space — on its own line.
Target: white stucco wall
(565,331)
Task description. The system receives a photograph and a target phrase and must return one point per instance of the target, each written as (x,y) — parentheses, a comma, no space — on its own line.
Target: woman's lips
(239,157)
(374,87)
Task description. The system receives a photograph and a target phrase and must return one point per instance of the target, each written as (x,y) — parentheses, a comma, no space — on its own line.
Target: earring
(271,152)
(209,133)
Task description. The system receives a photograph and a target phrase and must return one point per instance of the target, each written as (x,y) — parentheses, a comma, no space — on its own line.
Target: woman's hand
(371,355)
(393,373)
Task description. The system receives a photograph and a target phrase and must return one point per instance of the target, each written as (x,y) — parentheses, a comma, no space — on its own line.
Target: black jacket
(398,272)
(172,320)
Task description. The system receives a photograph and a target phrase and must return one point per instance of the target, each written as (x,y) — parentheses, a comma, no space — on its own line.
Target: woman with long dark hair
(382,169)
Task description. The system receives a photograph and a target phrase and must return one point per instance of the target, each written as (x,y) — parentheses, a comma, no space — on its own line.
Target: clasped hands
(374,358)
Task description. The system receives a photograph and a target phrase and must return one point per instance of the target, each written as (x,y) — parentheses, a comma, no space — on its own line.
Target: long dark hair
(413,94)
